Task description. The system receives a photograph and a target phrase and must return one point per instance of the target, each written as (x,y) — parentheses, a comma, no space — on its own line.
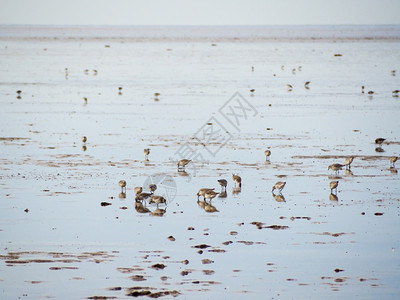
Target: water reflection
(140,208)
(159,212)
(349,172)
(333,197)
(379,149)
(279,197)
(393,170)
(223,194)
(207,206)
(122,195)
(236,190)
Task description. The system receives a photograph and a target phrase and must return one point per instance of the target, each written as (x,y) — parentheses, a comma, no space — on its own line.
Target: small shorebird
(210,194)
(85,99)
(336,167)
(223,183)
(306,85)
(122,184)
(182,163)
(379,141)
(146,154)
(362,89)
(371,92)
(84,139)
(267,154)
(152,188)
(393,159)
(395,93)
(202,192)
(289,86)
(348,161)
(237,179)
(156,94)
(157,200)
(333,185)
(142,196)
(137,190)
(252,91)
(279,186)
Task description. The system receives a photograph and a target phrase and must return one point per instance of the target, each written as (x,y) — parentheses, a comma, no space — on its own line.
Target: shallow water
(57,239)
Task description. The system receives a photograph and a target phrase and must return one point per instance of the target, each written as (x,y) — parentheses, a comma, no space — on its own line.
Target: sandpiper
(137,190)
(202,192)
(85,99)
(210,194)
(393,159)
(306,85)
(142,196)
(371,92)
(252,91)
(152,188)
(348,161)
(122,184)
(146,154)
(267,154)
(336,167)
(157,200)
(182,163)
(279,186)
(223,183)
(84,139)
(237,179)
(289,86)
(379,141)
(333,185)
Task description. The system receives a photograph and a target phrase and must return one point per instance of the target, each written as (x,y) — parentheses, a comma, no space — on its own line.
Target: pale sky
(200,12)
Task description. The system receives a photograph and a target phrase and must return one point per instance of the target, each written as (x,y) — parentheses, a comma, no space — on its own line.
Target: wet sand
(65,229)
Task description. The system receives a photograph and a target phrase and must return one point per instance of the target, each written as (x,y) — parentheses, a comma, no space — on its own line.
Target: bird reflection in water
(159,212)
(236,190)
(393,170)
(279,197)
(122,195)
(140,208)
(223,194)
(333,197)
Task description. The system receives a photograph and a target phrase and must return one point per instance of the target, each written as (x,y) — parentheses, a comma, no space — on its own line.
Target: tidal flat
(219,97)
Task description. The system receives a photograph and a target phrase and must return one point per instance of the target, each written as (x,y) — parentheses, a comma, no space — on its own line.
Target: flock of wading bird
(209,193)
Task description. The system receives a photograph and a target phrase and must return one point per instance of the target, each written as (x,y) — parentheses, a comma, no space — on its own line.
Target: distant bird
(252,68)
(120,88)
(122,184)
(202,192)
(289,86)
(267,154)
(237,179)
(393,159)
(156,94)
(152,188)
(362,89)
(142,196)
(19,92)
(84,139)
(395,93)
(348,161)
(279,186)
(210,194)
(223,183)
(182,163)
(336,167)
(333,185)
(137,190)
(306,84)
(294,71)
(371,92)
(85,99)
(146,154)
(379,141)
(252,91)
(157,200)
